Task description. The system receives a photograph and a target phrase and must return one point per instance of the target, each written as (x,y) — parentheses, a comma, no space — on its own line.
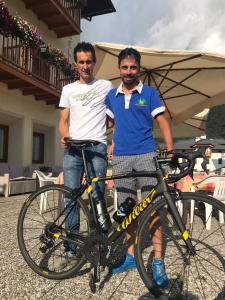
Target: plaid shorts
(127,163)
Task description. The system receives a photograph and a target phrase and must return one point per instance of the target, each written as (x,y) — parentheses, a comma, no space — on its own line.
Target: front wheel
(201,276)
(42,234)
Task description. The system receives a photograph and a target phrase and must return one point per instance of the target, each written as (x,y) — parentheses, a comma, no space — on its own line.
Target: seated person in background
(185,184)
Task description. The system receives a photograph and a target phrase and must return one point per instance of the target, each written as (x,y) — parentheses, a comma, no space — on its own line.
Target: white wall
(15,137)
(23,115)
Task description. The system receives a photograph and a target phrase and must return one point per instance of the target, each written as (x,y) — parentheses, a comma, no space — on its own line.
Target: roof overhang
(96,8)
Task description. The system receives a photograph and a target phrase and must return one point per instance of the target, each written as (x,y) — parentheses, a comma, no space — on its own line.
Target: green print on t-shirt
(141,102)
(86,96)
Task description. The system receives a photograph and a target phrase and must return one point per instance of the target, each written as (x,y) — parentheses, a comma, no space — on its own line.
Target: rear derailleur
(46,238)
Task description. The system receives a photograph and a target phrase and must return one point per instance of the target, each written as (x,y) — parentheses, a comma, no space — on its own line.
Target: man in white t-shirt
(83,117)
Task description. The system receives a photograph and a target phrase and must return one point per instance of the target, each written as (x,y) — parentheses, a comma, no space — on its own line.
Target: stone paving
(18,281)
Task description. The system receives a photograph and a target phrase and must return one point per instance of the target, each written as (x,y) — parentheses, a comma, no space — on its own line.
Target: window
(38,148)
(4,138)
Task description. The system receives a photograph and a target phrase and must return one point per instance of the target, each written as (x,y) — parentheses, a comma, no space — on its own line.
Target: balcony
(24,68)
(62,16)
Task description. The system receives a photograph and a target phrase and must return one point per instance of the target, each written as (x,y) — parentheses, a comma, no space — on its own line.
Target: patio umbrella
(184,144)
(188,82)
(198,121)
(193,127)
(187,144)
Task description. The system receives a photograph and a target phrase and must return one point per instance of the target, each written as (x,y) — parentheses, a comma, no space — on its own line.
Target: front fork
(179,222)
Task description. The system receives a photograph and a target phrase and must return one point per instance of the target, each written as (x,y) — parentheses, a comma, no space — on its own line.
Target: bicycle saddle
(80,143)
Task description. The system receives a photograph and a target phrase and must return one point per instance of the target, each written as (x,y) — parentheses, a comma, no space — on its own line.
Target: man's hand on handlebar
(182,161)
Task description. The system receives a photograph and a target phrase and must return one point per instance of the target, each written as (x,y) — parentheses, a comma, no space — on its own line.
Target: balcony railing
(29,61)
(62,16)
(73,7)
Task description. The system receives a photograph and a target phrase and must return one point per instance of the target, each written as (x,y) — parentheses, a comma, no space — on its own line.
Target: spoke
(199,278)
(174,262)
(182,271)
(38,254)
(205,252)
(201,232)
(30,239)
(207,273)
(188,273)
(222,231)
(33,220)
(35,246)
(33,210)
(209,235)
(214,246)
(32,228)
(50,210)
(210,262)
(196,282)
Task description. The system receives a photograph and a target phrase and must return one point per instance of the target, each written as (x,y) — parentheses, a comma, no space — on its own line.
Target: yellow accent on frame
(56,235)
(89,189)
(136,211)
(95,179)
(185,235)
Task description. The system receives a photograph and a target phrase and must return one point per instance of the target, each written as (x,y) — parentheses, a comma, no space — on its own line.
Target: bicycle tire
(201,276)
(38,213)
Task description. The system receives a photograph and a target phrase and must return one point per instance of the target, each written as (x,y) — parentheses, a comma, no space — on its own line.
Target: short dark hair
(85,47)
(129,52)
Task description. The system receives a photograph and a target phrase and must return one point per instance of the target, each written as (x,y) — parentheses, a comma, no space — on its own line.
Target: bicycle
(193,256)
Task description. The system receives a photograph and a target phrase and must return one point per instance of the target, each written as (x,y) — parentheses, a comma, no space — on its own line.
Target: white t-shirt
(87,120)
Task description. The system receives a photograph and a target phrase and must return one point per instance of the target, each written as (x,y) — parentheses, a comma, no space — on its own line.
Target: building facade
(31,77)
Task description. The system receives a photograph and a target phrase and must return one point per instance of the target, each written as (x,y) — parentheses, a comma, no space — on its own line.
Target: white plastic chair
(219,194)
(44,180)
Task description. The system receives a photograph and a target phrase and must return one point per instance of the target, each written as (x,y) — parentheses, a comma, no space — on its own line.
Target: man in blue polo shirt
(131,109)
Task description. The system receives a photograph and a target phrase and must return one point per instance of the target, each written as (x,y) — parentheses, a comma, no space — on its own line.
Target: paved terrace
(18,281)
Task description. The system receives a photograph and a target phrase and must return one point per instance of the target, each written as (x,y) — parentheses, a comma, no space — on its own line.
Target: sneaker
(159,273)
(128,264)
(69,258)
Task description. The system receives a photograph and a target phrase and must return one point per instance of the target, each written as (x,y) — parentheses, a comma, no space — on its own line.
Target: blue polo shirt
(133,117)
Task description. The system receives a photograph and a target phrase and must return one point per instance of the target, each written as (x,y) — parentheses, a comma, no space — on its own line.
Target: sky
(161,24)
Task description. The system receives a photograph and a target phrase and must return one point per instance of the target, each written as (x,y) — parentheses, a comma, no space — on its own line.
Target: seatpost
(85,164)
(93,206)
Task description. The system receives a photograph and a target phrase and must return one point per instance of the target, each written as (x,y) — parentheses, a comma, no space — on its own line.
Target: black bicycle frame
(161,189)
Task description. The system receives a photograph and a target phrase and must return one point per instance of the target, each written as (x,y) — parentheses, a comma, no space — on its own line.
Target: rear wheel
(201,276)
(42,235)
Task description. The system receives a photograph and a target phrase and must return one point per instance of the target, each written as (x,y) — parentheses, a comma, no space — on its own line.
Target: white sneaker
(68,259)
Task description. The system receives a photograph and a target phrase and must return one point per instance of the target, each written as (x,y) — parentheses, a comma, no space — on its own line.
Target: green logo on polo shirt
(141,102)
